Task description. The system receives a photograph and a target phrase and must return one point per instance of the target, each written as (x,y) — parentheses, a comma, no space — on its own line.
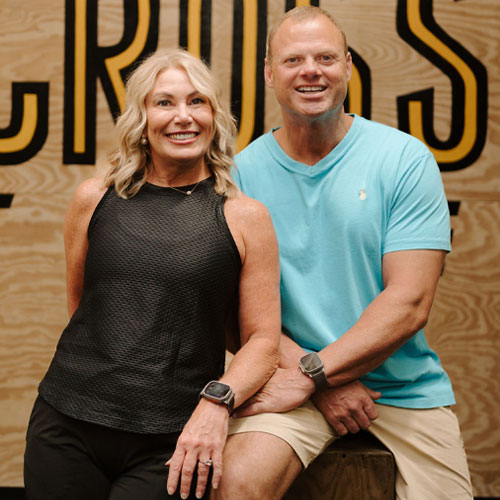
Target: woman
(158,255)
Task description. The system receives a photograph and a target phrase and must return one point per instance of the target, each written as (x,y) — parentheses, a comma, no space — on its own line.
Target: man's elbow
(418,318)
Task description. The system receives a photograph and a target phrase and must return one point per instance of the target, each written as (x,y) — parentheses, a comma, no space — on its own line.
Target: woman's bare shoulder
(249,209)
(87,197)
(250,223)
(91,189)
(89,193)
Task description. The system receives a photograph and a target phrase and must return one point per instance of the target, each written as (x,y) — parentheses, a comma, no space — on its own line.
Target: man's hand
(288,388)
(348,408)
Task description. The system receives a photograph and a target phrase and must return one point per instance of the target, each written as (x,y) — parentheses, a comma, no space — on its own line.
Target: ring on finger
(208,462)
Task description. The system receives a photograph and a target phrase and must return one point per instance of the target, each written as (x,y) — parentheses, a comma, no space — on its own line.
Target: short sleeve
(419,217)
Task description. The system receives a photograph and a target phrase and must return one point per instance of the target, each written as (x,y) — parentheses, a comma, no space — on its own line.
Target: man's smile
(306,89)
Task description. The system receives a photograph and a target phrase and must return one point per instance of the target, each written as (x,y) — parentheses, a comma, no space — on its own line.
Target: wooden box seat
(355,467)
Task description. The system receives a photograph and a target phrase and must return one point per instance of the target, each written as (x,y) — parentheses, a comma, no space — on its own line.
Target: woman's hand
(202,440)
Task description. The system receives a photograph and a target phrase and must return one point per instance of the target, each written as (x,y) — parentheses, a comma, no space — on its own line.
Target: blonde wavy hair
(131,161)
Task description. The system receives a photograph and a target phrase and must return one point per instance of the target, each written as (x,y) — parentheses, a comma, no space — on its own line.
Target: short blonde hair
(297,15)
(130,162)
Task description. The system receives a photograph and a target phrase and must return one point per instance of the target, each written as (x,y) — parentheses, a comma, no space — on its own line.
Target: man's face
(309,70)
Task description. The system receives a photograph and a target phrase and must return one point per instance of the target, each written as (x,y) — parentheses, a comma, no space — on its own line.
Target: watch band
(312,366)
(320,380)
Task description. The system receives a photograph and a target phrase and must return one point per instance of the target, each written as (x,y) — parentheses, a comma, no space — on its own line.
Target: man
(363,229)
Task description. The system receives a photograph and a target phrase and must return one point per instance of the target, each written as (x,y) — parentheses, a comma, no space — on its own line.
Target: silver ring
(208,462)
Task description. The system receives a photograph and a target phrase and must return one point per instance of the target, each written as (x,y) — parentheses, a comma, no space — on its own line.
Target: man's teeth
(181,136)
(314,88)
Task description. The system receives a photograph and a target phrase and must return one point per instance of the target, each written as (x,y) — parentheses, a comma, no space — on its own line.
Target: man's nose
(310,67)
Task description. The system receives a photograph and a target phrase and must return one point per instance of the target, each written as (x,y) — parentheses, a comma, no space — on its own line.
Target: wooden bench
(355,467)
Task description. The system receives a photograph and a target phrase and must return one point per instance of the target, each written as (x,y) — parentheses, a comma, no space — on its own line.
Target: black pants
(68,459)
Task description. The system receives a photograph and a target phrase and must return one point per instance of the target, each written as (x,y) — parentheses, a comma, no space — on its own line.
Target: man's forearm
(364,347)
(381,330)
(394,316)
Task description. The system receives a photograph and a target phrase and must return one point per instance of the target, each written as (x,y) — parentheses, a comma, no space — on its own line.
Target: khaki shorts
(304,429)
(426,444)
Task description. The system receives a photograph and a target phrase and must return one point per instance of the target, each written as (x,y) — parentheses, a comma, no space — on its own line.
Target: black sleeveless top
(161,275)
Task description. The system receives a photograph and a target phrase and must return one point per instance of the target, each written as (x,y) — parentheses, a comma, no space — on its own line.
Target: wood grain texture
(32,313)
(464,328)
(357,467)
(464,324)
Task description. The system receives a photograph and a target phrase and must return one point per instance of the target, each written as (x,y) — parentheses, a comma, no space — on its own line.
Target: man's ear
(349,66)
(268,73)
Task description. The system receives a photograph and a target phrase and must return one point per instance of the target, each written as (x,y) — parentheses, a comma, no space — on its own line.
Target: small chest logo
(362,194)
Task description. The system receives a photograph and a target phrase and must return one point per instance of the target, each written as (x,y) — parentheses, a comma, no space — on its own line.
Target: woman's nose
(182,113)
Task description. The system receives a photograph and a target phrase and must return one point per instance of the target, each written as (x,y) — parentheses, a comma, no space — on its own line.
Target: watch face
(217,389)
(311,361)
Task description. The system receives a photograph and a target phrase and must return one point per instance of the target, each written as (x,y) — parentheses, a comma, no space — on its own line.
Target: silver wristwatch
(219,393)
(312,366)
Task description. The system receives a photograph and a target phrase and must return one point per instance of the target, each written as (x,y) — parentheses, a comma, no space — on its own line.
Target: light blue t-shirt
(379,190)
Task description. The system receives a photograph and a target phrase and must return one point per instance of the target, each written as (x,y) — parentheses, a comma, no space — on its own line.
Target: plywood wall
(37,178)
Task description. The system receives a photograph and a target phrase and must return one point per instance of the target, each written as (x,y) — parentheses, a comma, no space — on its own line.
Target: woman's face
(179,121)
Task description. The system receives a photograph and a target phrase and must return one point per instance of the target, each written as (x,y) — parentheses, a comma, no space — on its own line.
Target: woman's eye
(198,100)
(163,102)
